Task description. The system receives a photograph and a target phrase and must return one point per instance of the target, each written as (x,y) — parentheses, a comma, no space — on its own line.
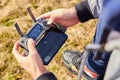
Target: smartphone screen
(35,31)
(50,44)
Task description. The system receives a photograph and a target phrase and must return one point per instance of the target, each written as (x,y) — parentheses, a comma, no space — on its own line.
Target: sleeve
(47,76)
(83,11)
(96,6)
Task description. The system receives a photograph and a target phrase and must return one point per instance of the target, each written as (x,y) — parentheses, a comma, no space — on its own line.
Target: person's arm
(69,17)
(32,63)
(83,11)
(65,17)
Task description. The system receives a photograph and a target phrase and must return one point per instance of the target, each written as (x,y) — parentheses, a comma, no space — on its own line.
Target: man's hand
(31,63)
(65,17)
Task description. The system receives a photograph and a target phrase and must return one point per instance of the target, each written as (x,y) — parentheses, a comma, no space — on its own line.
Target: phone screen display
(50,44)
(35,31)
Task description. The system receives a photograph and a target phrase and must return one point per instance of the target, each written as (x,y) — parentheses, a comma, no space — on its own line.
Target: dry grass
(15,10)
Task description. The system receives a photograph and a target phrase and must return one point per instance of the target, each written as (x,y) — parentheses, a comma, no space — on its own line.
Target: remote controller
(48,38)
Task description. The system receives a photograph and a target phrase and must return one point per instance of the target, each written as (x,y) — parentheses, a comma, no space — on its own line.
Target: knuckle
(53,17)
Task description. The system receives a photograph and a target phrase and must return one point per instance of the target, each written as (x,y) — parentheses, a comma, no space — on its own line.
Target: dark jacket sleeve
(83,11)
(47,76)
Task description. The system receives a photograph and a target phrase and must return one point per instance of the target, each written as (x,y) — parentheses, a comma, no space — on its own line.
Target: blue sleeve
(111,15)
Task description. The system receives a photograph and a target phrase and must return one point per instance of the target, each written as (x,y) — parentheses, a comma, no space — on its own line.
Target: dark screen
(36,30)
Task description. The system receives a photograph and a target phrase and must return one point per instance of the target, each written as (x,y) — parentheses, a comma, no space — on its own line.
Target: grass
(15,11)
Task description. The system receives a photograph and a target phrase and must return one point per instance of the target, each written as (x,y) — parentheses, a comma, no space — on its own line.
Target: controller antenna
(31,14)
(18,30)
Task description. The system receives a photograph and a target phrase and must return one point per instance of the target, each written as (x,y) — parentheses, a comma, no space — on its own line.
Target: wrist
(38,73)
(73,13)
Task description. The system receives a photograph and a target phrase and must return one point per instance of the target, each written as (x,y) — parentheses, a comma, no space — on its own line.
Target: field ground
(15,11)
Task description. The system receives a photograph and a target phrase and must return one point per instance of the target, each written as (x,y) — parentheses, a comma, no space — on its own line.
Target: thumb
(31,46)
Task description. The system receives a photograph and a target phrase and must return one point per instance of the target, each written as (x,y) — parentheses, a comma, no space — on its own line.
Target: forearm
(83,11)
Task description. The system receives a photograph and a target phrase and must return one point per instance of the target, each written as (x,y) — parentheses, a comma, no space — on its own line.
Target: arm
(68,17)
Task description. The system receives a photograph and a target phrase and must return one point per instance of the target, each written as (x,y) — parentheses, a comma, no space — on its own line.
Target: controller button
(44,23)
(22,41)
(40,20)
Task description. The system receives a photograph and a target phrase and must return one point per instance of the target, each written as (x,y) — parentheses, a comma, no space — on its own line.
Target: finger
(15,50)
(46,15)
(52,19)
(23,53)
(31,46)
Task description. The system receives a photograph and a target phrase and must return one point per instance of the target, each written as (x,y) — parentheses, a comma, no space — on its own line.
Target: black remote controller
(48,38)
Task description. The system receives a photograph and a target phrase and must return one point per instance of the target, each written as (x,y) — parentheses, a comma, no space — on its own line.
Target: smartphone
(50,44)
